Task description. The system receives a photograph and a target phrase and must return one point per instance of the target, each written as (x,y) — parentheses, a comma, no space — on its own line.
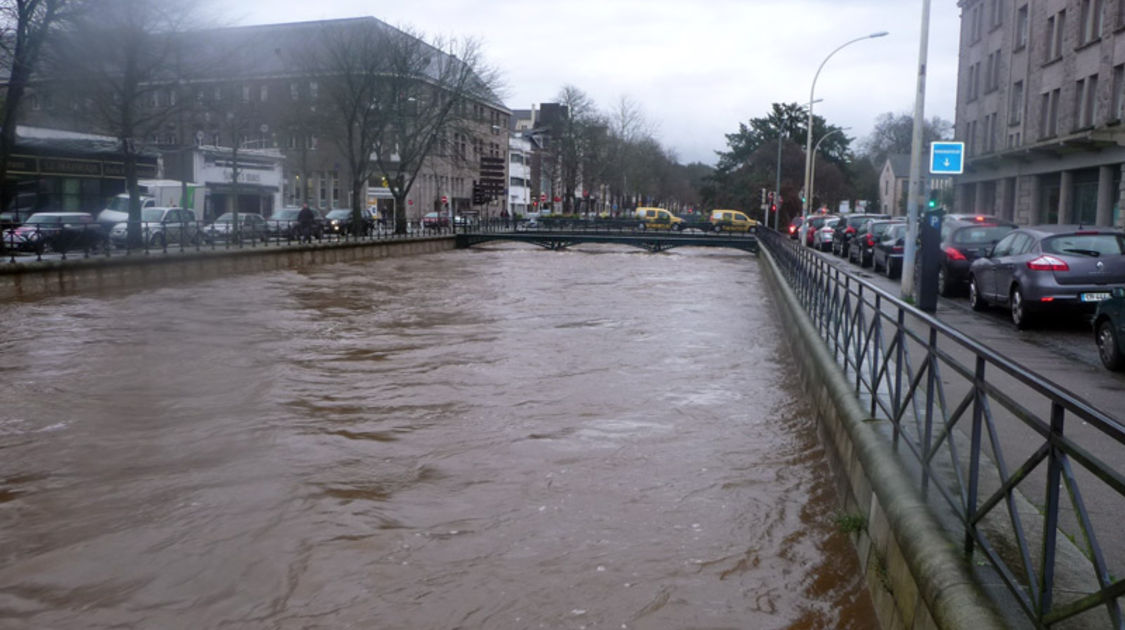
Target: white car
(822,238)
(161,227)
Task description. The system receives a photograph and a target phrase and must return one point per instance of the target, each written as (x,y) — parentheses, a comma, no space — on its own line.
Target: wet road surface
(494,438)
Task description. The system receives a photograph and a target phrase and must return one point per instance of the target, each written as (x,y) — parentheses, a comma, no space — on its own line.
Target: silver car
(1044,268)
(160,227)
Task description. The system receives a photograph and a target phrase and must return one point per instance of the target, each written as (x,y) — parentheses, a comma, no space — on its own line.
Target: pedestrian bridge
(649,240)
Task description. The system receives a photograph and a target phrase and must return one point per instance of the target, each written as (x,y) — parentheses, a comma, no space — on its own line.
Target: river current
(503,437)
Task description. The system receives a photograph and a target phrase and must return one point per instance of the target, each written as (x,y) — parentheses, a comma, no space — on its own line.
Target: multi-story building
(262,98)
(1040,107)
(519,175)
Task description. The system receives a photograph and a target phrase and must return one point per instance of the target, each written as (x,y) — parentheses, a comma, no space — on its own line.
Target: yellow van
(658,219)
(731,221)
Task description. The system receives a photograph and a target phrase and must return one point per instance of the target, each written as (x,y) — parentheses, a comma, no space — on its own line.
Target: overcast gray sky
(698,68)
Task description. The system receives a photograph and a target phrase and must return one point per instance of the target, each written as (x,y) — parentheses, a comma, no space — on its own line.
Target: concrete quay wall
(23,280)
(917,577)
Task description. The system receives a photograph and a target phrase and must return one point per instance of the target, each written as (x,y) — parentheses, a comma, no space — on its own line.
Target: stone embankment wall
(49,277)
(917,577)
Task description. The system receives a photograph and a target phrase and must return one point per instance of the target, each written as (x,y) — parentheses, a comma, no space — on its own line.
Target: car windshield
(43,219)
(855,222)
(981,234)
(1086,244)
(816,222)
(878,229)
(288,214)
(339,214)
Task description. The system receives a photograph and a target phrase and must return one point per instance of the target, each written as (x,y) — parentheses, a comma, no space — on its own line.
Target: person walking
(305,220)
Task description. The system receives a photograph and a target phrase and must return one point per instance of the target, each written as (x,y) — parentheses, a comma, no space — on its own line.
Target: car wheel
(875,264)
(1108,348)
(943,287)
(157,241)
(892,271)
(976,300)
(1020,316)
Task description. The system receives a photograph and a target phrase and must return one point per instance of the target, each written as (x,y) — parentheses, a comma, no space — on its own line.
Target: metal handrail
(952,403)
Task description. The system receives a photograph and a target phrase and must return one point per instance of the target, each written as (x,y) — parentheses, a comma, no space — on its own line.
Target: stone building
(1040,103)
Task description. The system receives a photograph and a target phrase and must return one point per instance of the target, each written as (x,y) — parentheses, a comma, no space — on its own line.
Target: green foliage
(850,523)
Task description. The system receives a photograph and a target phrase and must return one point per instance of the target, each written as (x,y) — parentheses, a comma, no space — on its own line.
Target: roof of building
(900,164)
(44,140)
(287,49)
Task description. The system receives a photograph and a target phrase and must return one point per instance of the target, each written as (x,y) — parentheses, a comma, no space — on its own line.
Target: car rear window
(1085,244)
(981,234)
(878,229)
(816,222)
(856,221)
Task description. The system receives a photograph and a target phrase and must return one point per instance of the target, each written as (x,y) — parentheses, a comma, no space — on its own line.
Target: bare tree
(397,100)
(26,25)
(120,60)
(570,140)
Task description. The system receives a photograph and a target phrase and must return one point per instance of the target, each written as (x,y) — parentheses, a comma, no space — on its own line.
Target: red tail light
(849,230)
(1048,263)
(898,248)
(870,241)
(952,253)
(792,229)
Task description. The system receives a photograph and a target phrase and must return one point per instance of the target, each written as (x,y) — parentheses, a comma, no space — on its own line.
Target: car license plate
(1095,297)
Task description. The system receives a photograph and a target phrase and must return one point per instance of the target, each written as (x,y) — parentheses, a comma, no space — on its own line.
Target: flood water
(502,438)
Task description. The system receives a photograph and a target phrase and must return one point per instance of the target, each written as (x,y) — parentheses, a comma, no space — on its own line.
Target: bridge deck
(652,241)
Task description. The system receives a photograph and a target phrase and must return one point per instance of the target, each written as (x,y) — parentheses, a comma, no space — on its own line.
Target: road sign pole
(908,250)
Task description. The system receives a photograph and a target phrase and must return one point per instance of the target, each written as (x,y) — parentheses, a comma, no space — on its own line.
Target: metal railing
(91,239)
(1002,447)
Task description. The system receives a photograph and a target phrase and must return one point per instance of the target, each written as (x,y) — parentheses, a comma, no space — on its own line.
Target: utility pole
(915,189)
(777,187)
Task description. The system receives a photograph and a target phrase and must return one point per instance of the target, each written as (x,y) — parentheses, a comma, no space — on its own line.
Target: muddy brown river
(500,438)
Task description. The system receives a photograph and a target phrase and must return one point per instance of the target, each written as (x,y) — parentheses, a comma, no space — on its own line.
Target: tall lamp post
(812,92)
(812,171)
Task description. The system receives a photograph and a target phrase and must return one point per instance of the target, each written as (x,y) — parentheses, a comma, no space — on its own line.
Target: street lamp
(808,134)
(812,171)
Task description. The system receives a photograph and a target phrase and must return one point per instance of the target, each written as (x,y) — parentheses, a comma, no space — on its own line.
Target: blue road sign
(947,158)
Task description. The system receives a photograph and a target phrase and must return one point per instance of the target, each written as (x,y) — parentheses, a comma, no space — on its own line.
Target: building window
(1049,113)
(977,21)
(314,90)
(1118,90)
(1091,27)
(1056,29)
(992,73)
(996,17)
(294,92)
(264,93)
(246,94)
(1085,102)
(1021,27)
(1015,104)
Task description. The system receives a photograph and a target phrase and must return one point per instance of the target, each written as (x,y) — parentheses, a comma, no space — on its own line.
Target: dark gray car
(1044,268)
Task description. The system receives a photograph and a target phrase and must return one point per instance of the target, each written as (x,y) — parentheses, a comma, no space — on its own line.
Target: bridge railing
(1014,466)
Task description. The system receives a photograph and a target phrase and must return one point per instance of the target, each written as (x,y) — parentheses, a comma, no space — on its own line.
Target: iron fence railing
(87,240)
(1020,471)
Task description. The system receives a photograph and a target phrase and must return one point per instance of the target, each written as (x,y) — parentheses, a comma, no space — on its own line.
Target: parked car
(58,231)
(283,224)
(811,224)
(731,221)
(159,227)
(435,220)
(863,243)
(1109,330)
(964,237)
(339,221)
(795,227)
(847,228)
(822,236)
(1044,268)
(887,253)
(251,227)
(658,219)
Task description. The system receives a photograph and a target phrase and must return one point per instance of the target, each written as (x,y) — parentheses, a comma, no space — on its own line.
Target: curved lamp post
(808,135)
(812,169)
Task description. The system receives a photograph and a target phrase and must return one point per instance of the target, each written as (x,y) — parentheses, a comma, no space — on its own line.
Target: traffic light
(934,194)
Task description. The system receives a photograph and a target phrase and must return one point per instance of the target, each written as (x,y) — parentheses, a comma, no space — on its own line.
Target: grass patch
(850,523)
